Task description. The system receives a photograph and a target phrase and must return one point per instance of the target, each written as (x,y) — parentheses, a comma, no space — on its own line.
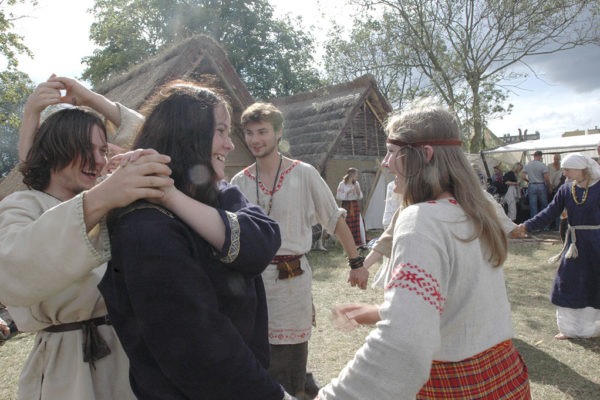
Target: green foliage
(370,50)
(461,50)
(274,57)
(15,86)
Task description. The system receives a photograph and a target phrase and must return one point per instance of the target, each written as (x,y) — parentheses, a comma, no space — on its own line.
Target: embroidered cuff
(234,247)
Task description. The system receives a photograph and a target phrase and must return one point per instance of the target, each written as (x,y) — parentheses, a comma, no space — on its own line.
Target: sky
(564,97)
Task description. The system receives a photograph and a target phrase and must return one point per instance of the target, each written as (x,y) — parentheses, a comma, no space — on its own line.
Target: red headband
(440,142)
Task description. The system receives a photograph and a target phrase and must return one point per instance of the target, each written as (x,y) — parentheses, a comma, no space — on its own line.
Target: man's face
(261,138)
(557,159)
(76,177)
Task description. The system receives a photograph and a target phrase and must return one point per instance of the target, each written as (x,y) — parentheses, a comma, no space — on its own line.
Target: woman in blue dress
(576,291)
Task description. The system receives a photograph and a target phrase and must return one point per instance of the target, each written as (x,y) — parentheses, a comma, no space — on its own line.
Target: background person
(538,184)
(349,194)
(445,311)
(556,178)
(513,192)
(576,290)
(296,196)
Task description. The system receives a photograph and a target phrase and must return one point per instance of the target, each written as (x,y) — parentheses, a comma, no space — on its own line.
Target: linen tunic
(49,270)
(444,301)
(301,200)
(193,320)
(577,281)
(383,244)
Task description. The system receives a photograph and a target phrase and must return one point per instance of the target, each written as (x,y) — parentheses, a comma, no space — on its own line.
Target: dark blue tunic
(193,326)
(577,282)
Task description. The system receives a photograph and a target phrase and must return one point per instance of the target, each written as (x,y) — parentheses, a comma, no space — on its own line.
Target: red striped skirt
(497,373)
(353,217)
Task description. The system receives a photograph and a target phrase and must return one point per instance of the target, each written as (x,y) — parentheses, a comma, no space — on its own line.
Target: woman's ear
(428,153)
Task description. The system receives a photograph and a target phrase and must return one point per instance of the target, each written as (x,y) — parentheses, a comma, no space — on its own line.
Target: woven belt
(94,346)
(75,326)
(288,265)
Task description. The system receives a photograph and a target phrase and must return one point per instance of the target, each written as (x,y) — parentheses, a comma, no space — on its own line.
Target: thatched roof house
(338,127)
(198,58)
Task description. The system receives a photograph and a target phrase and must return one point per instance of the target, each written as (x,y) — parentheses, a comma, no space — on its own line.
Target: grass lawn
(559,369)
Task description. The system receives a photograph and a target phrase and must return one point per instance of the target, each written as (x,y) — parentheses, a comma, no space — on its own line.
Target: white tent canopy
(523,151)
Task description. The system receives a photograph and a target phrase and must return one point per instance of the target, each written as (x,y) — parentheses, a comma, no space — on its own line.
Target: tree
(464,48)
(274,57)
(15,86)
(369,50)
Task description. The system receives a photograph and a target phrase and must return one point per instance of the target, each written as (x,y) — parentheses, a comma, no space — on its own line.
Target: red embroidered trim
(451,200)
(415,279)
(282,176)
(294,334)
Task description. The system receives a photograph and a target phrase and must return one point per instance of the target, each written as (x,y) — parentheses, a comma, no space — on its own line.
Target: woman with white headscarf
(576,291)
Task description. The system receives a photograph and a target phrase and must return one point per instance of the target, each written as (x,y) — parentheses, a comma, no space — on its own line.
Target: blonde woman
(576,291)
(445,311)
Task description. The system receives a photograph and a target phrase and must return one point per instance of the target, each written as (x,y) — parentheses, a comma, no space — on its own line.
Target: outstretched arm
(359,276)
(49,93)
(78,95)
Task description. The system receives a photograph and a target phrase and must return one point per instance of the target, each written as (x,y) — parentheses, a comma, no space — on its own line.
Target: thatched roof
(190,59)
(194,58)
(343,119)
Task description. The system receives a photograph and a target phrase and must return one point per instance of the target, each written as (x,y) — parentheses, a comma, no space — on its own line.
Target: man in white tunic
(293,194)
(54,245)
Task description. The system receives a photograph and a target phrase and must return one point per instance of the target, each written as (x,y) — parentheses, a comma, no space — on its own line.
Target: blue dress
(577,281)
(192,319)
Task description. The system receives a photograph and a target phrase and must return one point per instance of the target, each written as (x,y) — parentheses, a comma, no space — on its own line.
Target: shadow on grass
(547,370)
(592,344)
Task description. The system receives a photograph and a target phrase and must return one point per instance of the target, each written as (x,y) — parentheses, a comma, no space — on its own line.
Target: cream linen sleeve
(44,246)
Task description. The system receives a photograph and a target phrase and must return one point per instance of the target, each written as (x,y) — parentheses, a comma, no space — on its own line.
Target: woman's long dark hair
(180,123)
(63,138)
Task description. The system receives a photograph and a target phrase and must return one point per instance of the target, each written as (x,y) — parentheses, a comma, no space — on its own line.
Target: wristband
(357,262)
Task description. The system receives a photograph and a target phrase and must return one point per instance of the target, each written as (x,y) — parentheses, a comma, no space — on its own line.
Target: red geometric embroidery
(289,334)
(418,281)
(282,176)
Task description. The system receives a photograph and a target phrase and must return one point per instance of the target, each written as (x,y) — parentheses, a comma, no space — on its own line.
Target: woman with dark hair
(184,291)
(444,329)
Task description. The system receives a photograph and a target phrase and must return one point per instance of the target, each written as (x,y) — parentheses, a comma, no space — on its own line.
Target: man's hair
(180,123)
(263,112)
(447,171)
(62,139)
(538,153)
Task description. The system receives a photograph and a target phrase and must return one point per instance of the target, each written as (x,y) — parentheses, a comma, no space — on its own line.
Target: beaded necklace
(583,198)
(268,210)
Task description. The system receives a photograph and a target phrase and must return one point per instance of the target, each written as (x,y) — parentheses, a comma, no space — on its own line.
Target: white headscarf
(581,161)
